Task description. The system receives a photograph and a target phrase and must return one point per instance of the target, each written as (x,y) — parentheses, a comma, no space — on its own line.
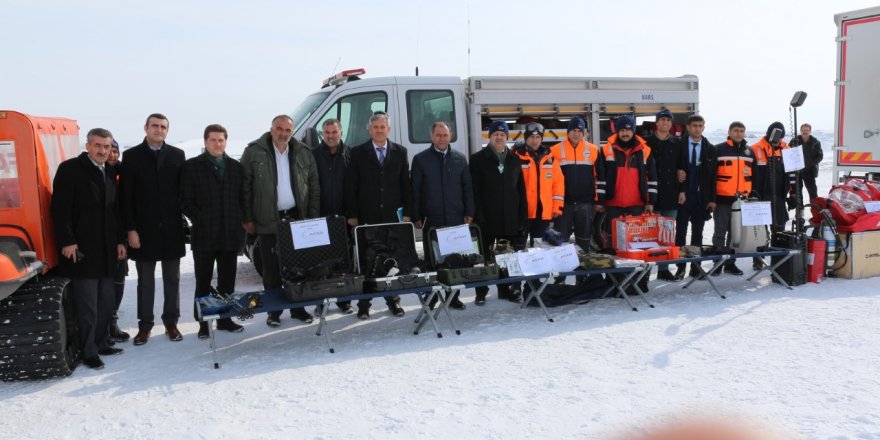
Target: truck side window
(423,108)
(353,113)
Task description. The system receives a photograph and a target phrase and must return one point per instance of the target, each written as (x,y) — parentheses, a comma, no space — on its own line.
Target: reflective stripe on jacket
(579,165)
(543,179)
(736,171)
(616,160)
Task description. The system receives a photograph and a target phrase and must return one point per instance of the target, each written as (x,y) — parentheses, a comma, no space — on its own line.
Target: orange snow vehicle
(37,325)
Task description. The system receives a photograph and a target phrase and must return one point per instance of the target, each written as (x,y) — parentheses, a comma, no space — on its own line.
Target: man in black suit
(151,214)
(212,194)
(376,185)
(86,217)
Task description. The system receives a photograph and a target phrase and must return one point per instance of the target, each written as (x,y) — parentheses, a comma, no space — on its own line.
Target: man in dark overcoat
(86,217)
(152,217)
(376,185)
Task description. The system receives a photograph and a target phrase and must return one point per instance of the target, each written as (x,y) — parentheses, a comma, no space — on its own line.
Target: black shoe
(395,309)
(273,321)
(346,309)
(94,363)
(679,275)
(433,302)
(301,314)
(732,269)
(457,304)
(227,325)
(204,332)
(666,275)
(480,299)
(110,351)
(363,313)
(514,296)
(757,264)
(117,335)
(693,272)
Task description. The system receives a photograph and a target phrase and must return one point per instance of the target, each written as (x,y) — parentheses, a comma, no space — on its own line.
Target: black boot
(665,274)
(227,325)
(117,335)
(730,267)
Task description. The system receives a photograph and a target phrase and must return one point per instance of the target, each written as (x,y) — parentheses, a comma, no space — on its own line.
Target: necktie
(381,156)
(694,154)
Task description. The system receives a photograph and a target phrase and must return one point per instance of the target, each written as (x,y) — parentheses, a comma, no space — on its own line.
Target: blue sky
(111,63)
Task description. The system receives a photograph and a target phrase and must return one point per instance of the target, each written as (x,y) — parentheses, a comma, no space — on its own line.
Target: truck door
(353,108)
(422,105)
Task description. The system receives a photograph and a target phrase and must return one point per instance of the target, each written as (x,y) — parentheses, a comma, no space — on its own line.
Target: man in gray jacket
(280,182)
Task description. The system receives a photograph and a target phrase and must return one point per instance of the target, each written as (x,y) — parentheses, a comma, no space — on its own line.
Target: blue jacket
(442,190)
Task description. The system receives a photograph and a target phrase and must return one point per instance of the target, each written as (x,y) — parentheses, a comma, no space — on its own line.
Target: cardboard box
(862,256)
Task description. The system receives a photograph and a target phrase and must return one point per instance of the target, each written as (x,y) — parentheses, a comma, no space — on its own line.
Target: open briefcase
(463,265)
(315,259)
(387,257)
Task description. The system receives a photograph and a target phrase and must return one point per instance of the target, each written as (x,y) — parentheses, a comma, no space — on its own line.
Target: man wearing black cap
(499,200)
(578,160)
(545,186)
(670,159)
(630,175)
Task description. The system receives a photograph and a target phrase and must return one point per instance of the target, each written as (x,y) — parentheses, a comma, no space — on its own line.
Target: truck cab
(469,105)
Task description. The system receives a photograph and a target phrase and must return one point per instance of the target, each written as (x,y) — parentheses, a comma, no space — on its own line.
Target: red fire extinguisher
(816,260)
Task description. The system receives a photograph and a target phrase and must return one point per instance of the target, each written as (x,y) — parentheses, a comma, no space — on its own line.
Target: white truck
(469,105)
(857,105)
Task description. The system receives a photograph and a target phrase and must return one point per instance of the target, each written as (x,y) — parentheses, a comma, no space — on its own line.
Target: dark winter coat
(499,197)
(151,201)
(669,157)
(374,192)
(213,203)
(331,174)
(261,183)
(442,190)
(812,154)
(708,174)
(85,211)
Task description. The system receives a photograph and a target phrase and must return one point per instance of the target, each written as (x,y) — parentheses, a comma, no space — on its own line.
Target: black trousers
(146,292)
(203,266)
(809,181)
(271,267)
(577,218)
(119,286)
(93,299)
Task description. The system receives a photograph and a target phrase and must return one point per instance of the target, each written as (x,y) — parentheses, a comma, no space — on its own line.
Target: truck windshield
(307,107)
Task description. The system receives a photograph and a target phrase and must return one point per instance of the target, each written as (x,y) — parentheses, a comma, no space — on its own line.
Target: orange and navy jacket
(736,171)
(543,179)
(784,181)
(580,166)
(618,164)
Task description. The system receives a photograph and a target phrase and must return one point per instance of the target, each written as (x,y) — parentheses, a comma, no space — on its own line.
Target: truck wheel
(38,336)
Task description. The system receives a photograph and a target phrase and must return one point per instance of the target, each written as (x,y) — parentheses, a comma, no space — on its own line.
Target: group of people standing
(107,210)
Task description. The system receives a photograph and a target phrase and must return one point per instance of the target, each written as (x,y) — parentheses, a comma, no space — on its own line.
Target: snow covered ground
(802,363)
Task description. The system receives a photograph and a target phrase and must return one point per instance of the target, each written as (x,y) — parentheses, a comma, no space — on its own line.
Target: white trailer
(469,105)
(856,145)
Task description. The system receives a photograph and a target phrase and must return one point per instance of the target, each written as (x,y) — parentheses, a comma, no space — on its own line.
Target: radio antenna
(333,72)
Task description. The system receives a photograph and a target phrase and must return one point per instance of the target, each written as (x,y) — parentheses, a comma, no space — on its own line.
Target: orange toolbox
(654,228)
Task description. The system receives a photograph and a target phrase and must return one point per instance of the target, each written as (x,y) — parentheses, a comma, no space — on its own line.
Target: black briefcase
(794,270)
(458,275)
(313,269)
(387,257)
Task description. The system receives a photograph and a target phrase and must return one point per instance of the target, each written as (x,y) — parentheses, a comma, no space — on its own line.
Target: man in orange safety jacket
(544,182)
